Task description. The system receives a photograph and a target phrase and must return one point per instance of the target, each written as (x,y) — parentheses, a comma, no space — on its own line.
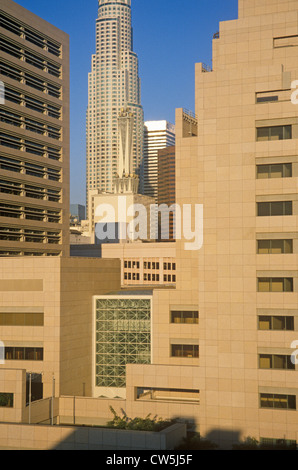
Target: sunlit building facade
(34,140)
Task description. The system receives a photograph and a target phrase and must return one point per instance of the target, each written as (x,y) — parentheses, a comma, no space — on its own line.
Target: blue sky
(170,36)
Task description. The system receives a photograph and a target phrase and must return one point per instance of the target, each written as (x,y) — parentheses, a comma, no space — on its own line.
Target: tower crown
(107,2)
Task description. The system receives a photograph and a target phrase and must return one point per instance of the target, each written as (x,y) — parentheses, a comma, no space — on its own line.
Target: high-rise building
(157,135)
(114,84)
(167,191)
(78,212)
(34,139)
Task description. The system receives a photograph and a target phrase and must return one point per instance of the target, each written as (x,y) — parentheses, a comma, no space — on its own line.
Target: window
(275,361)
(267,322)
(274,133)
(21,319)
(268,442)
(273,400)
(167,394)
(264,99)
(182,316)
(275,284)
(282,170)
(275,246)
(34,381)
(286,41)
(6,400)
(23,354)
(266,209)
(185,350)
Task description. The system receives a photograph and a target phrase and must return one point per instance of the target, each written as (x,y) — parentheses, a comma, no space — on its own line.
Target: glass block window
(123,336)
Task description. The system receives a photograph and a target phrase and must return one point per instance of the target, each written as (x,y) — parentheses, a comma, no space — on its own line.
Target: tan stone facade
(144,264)
(46,318)
(34,145)
(245,292)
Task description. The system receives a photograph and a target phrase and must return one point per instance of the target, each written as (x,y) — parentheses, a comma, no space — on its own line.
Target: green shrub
(138,424)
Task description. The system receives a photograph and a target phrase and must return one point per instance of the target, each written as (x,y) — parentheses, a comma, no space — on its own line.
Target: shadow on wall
(86,438)
(225,439)
(96,438)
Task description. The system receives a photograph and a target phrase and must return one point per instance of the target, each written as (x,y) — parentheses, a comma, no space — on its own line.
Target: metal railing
(189,113)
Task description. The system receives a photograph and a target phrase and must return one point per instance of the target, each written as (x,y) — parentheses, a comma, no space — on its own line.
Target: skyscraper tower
(158,135)
(114,84)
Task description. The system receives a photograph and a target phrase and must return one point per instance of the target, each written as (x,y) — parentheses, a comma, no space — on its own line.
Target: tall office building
(34,139)
(114,84)
(167,190)
(157,136)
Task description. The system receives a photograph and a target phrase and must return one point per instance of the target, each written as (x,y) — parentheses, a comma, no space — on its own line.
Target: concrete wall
(24,437)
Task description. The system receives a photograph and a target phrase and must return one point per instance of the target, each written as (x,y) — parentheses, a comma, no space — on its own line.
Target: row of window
(149,265)
(14,253)
(30,57)
(266,361)
(265,322)
(26,190)
(29,235)
(31,125)
(267,400)
(38,171)
(30,80)
(29,213)
(29,146)
(14,26)
(18,97)
(148,277)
